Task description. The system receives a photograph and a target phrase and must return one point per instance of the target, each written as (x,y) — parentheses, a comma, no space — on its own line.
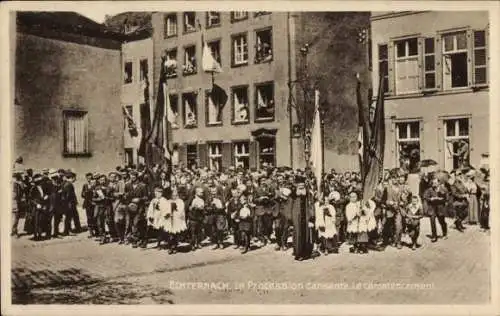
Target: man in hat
(69,202)
(393,225)
(283,219)
(56,203)
(113,188)
(40,200)
(264,203)
(136,195)
(460,198)
(87,203)
(302,238)
(18,202)
(119,206)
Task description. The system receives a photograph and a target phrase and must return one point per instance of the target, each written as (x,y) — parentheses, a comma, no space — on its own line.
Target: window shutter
(203,155)
(390,63)
(439,57)
(487,34)
(420,63)
(421,139)
(394,137)
(480,75)
(471,147)
(227,155)
(253,154)
(470,52)
(183,154)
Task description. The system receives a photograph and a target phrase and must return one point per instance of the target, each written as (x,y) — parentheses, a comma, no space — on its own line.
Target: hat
(471,173)
(69,174)
(113,173)
(96,176)
(54,174)
(37,178)
(89,174)
(300,179)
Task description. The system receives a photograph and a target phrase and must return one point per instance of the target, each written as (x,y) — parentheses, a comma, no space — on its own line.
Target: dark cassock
(301,214)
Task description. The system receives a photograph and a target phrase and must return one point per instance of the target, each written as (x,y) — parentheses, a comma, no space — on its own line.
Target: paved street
(77,270)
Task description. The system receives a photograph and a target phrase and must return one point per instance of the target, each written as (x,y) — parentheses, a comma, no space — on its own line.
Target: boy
(413,214)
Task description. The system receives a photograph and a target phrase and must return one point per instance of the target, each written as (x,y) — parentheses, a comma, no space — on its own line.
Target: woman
(325,217)
(472,191)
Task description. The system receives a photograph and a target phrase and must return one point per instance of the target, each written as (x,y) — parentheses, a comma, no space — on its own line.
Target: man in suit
(40,200)
(301,213)
(56,203)
(136,195)
(69,202)
(264,203)
(87,203)
(460,198)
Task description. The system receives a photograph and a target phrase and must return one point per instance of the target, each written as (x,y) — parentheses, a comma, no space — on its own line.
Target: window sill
(435,93)
(264,61)
(234,20)
(264,120)
(127,82)
(240,122)
(170,36)
(190,126)
(171,76)
(68,155)
(239,65)
(213,26)
(191,73)
(217,124)
(189,31)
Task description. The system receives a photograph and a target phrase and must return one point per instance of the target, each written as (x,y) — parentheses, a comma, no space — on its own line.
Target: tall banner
(317,145)
(374,158)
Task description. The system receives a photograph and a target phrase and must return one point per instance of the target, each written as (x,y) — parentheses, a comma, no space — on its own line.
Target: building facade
(67,89)
(137,65)
(262,74)
(437,99)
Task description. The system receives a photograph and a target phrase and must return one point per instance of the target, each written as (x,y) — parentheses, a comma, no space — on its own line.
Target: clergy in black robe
(302,241)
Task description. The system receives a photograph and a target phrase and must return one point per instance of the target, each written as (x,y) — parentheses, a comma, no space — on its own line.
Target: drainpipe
(290,94)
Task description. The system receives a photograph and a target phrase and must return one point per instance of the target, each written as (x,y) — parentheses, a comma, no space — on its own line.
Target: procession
(241,208)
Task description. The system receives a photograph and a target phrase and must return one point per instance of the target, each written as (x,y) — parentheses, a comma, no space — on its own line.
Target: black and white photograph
(292,156)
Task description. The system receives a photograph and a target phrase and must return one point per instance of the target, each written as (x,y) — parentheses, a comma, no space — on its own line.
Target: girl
(413,214)
(325,217)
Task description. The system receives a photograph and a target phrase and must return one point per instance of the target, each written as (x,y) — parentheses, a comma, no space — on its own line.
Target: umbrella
(442,176)
(428,165)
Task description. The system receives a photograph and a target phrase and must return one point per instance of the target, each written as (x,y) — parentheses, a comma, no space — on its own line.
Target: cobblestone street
(77,270)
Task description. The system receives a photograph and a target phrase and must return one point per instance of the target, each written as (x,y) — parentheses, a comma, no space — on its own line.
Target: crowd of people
(138,205)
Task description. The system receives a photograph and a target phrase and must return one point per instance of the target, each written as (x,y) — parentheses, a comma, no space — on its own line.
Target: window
(383,65)
(143,67)
(130,112)
(456,135)
(213,111)
(189,66)
(455,69)
(170,25)
(190,110)
(264,101)
(429,64)
(239,97)
(214,47)
(406,68)
(240,50)
(241,155)
(75,133)
(189,22)
(259,13)
(171,63)
(213,19)
(267,147)
(175,155)
(264,46)
(192,156)
(215,156)
(408,142)
(480,58)
(238,15)
(128,72)
(129,156)
(173,111)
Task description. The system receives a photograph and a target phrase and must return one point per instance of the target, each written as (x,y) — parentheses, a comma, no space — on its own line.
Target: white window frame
(258,40)
(215,154)
(407,57)
(240,49)
(454,51)
(171,25)
(186,58)
(434,70)
(211,15)
(168,56)
(480,48)
(456,136)
(125,72)
(408,139)
(186,22)
(239,15)
(240,154)
(76,132)
(211,46)
(142,76)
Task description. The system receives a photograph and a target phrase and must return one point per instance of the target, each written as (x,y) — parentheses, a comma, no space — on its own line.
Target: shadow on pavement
(74,286)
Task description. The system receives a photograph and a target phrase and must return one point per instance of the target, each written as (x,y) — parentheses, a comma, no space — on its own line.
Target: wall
(277,71)
(334,57)
(52,75)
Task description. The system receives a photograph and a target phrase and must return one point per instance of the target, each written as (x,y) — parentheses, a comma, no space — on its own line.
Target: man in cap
(460,198)
(264,203)
(283,220)
(393,225)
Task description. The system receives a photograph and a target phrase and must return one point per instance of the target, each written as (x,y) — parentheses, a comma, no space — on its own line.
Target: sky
(96,14)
